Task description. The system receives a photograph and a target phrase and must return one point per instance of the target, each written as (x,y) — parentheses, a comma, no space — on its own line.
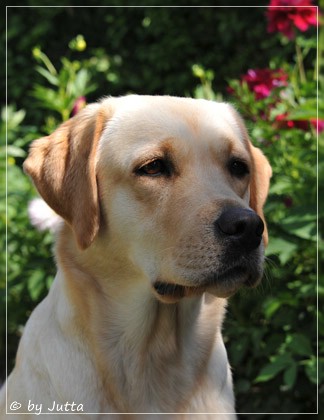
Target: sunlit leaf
(272,369)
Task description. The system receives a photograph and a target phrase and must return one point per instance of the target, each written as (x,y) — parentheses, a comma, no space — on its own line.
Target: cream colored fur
(104,337)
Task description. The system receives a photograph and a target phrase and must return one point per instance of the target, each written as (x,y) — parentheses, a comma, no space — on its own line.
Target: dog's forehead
(143,122)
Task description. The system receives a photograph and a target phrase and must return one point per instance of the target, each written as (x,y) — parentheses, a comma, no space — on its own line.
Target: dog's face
(173,182)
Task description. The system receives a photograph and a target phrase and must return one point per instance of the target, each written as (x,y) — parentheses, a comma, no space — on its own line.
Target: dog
(161,204)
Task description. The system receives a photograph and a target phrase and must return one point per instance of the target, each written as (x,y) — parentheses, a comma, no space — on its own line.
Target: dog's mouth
(169,292)
(222,285)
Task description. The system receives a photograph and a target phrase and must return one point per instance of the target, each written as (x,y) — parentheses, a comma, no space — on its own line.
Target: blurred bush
(223,53)
(147,50)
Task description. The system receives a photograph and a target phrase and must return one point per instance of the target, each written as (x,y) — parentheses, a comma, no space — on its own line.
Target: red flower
(282,121)
(284,15)
(263,81)
(288,202)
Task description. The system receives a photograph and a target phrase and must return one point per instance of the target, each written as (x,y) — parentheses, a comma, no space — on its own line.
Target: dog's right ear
(62,167)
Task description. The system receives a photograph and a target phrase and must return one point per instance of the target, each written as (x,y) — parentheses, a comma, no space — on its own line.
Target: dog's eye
(238,168)
(155,168)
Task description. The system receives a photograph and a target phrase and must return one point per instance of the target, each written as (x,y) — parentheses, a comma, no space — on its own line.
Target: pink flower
(263,81)
(78,105)
(317,124)
(284,15)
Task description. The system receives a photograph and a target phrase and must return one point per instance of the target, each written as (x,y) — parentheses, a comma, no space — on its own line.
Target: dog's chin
(222,285)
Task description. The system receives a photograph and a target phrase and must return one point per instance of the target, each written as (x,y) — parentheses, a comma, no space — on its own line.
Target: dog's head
(174,182)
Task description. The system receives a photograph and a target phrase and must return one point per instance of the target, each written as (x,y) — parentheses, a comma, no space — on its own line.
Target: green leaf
(311,370)
(300,344)
(281,247)
(306,42)
(307,110)
(80,82)
(270,307)
(36,285)
(269,372)
(49,98)
(278,364)
(15,151)
(290,376)
(281,186)
(301,224)
(53,80)
(14,118)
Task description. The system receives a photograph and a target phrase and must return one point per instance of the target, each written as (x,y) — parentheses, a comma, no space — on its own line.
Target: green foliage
(205,90)
(150,49)
(30,266)
(270,332)
(72,82)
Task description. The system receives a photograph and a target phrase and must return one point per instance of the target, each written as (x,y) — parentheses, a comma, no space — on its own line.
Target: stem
(65,114)
(320,53)
(48,64)
(300,63)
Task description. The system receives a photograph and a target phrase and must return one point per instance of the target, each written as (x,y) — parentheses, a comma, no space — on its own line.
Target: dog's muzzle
(239,230)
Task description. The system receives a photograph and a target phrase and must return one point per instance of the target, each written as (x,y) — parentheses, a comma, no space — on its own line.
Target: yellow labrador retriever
(161,199)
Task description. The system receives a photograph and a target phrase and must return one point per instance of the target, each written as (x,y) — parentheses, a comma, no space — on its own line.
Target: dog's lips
(169,292)
(222,285)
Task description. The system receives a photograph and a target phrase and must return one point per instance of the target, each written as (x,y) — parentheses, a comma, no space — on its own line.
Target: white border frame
(6,229)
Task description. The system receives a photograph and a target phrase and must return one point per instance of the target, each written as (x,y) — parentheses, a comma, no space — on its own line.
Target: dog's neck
(139,344)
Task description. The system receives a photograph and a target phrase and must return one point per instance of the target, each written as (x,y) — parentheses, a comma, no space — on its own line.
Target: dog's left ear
(62,167)
(259,186)
(260,176)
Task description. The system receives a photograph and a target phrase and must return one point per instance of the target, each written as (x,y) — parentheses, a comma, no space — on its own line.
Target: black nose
(243,227)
